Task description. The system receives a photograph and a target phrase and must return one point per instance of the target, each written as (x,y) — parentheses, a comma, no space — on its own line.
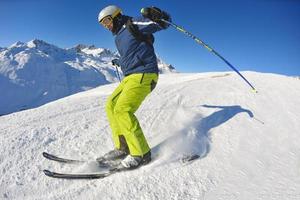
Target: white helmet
(111,10)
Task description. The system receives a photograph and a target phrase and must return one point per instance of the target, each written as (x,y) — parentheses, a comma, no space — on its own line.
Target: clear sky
(256,35)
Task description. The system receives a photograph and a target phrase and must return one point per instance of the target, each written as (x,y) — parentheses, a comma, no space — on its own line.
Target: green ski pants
(120,109)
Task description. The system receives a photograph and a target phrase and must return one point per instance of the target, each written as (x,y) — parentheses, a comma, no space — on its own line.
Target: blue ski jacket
(136,56)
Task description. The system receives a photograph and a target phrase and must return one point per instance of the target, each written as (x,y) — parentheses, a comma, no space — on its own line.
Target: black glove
(115,62)
(155,14)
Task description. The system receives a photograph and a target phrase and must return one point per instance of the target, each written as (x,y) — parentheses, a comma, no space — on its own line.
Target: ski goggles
(106,21)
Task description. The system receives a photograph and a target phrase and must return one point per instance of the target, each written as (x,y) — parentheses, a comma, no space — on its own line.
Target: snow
(36,72)
(248,142)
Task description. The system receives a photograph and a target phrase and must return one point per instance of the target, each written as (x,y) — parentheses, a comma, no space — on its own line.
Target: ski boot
(133,162)
(112,158)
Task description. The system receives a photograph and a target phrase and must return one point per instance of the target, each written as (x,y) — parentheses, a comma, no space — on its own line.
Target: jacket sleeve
(146,25)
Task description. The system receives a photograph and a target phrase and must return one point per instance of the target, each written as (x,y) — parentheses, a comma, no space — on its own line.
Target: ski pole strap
(209,49)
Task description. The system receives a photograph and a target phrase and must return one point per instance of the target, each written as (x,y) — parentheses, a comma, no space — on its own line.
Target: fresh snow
(248,142)
(35,73)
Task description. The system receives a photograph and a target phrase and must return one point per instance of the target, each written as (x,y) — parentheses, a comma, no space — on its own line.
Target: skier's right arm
(156,15)
(150,21)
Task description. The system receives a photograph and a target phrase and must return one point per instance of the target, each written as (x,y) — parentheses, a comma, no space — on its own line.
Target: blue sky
(256,35)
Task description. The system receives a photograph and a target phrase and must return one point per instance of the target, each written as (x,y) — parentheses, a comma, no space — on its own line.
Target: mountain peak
(93,50)
(81,47)
(17,44)
(37,43)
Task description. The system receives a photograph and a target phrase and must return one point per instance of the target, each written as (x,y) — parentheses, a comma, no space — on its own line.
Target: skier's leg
(109,108)
(136,88)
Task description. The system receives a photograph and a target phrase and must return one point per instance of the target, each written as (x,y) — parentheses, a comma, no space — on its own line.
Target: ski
(101,164)
(184,159)
(62,160)
(99,175)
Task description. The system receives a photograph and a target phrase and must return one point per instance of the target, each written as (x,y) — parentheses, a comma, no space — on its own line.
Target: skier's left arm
(150,22)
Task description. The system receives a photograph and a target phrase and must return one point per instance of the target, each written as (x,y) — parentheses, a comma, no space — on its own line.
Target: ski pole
(118,74)
(114,63)
(209,49)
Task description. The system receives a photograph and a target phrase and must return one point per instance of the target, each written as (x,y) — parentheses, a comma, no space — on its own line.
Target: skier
(134,41)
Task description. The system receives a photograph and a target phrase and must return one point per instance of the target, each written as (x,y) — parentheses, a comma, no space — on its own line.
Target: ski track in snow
(248,143)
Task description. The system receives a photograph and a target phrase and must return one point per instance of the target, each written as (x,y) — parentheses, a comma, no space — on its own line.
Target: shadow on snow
(194,138)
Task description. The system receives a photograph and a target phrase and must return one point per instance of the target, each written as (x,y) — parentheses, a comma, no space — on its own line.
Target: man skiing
(134,41)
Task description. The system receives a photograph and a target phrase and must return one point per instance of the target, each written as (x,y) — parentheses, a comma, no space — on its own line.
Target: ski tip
(45,154)
(189,158)
(47,172)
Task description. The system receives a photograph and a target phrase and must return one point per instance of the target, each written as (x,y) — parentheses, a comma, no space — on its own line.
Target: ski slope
(248,143)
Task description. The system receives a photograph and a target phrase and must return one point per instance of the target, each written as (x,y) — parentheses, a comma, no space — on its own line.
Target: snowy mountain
(165,68)
(248,142)
(34,73)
